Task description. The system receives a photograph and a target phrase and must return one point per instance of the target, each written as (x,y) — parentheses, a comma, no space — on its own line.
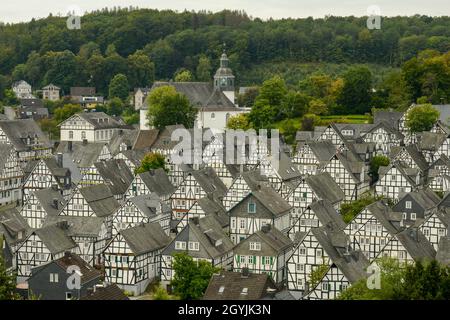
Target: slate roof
(208,231)
(115,174)
(325,187)
(158,181)
(5,151)
(426,198)
(78,226)
(388,116)
(48,199)
(100,199)
(431,141)
(34,103)
(389,219)
(200,94)
(229,285)
(18,130)
(111,292)
(127,136)
(145,238)
(327,214)
(209,181)
(323,150)
(148,204)
(84,155)
(416,244)
(55,238)
(11,223)
(88,273)
(82,91)
(163,140)
(336,243)
(99,120)
(254,179)
(275,242)
(271,200)
(444,112)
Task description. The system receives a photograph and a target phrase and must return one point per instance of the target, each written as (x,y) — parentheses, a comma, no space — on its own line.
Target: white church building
(215,101)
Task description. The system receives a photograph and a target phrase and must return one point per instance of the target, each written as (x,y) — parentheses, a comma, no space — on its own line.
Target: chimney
(266,228)
(59,159)
(55,203)
(69,146)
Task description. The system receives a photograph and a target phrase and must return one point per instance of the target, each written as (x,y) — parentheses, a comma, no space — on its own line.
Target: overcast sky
(24,10)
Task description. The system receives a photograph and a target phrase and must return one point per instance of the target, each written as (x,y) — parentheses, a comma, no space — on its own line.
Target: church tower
(224,78)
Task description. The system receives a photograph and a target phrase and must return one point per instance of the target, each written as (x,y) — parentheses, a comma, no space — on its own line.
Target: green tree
(168,107)
(10,98)
(356,93)
(7,282)
(191,278)
(377,162)
(141,70)
(204,69)
(239,122)
(66,111)
(421,118)
(151,161)
(115,107)
(247,99)
(119,87)
(183,76)
(309,121)
(350,210)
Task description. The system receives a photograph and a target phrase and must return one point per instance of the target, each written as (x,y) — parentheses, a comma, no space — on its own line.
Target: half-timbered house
(416,206)
(439,174)
(396,179)
(11,175)
(311,156)
(202,239)
(153,181)
(13,231)
(132,258)
(260,207)
(265,251)
(384,136)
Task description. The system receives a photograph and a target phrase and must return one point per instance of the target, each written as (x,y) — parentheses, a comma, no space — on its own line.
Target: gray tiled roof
(274,242)
(158,181)
(100,199)
(325,187)
(84,155)
(55,238)
(416,244)
(51,200)
(11,223)
(327,214)
(145,238)
(443,253)
(115,174)
(18,130)
(209,181)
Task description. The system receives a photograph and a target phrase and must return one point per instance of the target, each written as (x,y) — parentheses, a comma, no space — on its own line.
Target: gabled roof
(389,219)
(387,116)
(163,140)
(78,226)
(158,181)
(5,152)
(270,199)
(431,141)
(82,91)
(34,103)
(111,292)
(275,242)
(417,156)
(324,186)
(145,238)
(230,286)
(416,244)
(55,238)
(409,174)
(336,243)
(51,200)
(208,231)
(327,214)
(323,150)
(115,174)
(87,272)
(255,179)
(387,126)
(11,223)
(200,94)
(148,204)
(99,120)
(100,199)
(84,155)
(209,181)
(443,253)
(18,131)
(426,198)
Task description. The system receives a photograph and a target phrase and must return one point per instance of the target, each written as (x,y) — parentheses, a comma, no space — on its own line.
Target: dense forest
(148,44)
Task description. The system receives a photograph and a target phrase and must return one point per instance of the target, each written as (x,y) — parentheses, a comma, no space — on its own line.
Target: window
(54,278)
(405,215)
(393,177)
(70,134)
(242,224)
(302,251)
(194,246)
(325,287)
(413,216)
(251,207)
(300,267)
(255,246)
(213,115)
(180,245)
(221,289)
(242,259)
(319,253)
(408,204)
(83,135)
(441,232)
(68,296)
(244,291)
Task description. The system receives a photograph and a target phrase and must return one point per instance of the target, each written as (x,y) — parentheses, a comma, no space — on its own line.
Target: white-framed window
(242,259)
(300,267)
(408,204)
(413,216)
(54,277)
(255,246)
(70,134)
(404,215)
(251,207)
(325,287)
(242,223)
(180,245)
(319,253)
(302,251)
(213,115)
(300,282)
(194,246)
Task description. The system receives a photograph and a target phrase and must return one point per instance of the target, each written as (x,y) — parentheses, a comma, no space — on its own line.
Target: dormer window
(244,291)
(221,289)
(408,204)
(251,207)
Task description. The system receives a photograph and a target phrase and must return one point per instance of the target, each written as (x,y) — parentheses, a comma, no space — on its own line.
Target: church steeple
(224,78)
